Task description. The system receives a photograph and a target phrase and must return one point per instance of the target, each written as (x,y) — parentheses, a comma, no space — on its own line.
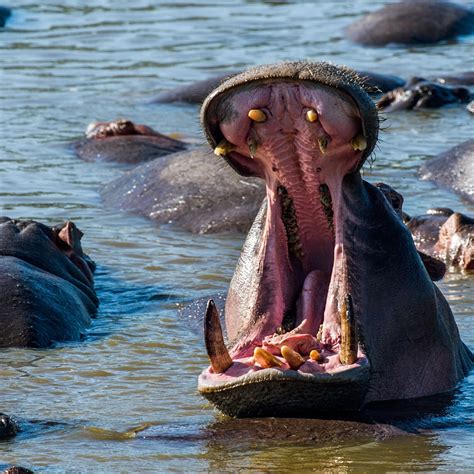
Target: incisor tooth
(265,359)
(311,115)
(223,148)
(214,340)
(252,147)
(323,144)
(359,143)
(348,354)
(257,115)
(292,357)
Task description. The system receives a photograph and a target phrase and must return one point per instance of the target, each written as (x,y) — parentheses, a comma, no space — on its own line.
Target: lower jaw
(276,392)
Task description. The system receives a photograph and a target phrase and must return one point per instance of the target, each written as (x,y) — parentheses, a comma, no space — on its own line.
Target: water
(65,64)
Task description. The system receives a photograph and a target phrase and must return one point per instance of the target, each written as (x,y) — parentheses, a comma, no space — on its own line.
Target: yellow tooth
(252,147)
(316,356)
(265,359)
(257,115)
(359,143)
(292,357)
(349,343)
(214,340)
(223,148)
(323,144)
(311,115)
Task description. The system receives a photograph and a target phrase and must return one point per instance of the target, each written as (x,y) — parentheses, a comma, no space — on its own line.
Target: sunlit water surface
(65,64)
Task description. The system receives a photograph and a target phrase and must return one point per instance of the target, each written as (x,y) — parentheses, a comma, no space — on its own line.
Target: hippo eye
(257,115)
(311,115)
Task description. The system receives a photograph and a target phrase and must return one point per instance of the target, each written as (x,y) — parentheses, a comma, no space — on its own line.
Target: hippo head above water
(330,306)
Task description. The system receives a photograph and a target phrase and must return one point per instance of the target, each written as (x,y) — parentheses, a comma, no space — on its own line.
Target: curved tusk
(214,340)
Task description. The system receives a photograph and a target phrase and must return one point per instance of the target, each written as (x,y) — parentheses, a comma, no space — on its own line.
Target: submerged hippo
(420,93)
(446,235)
(453,169)
(330,307)
(123,141)
(412,22)
(190,190)
(46,284)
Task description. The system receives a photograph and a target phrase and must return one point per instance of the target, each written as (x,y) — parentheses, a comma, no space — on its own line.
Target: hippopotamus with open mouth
(330,307)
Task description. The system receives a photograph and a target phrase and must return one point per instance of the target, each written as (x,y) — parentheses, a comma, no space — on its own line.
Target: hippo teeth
(349,340)
(214,340)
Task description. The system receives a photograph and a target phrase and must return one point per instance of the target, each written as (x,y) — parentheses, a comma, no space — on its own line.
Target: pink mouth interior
(301,258)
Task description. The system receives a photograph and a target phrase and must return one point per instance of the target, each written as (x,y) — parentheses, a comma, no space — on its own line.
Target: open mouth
(290,308)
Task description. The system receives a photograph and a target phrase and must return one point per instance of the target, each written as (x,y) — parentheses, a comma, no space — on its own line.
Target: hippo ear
(71,235)
(243,165)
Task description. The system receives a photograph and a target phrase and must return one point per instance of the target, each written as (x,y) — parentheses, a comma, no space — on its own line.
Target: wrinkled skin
(123,141)
(192,190)
(453,169)
(418,93)
(328,265)
(412,22)
(445,235)
(5,13)
(46,284)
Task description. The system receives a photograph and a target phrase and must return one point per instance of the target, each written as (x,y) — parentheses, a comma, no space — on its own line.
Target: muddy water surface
(67,63)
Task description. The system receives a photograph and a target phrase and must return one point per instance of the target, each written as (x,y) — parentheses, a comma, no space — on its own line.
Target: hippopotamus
(330,308)
(420,93)
(445,235)
(190,190)
(453,169)
(123,141)
(46,284)
(412,22)
(5,13)
(196,93)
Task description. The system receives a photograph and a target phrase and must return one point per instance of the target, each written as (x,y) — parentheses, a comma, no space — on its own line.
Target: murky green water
(67,63)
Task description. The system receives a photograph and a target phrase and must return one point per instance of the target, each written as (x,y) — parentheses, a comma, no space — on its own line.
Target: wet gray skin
(192,190)
(8,427)
(445,235)
(419,93)
(123,141)
(412,22)
(46,284)
(327,256)
(453,169)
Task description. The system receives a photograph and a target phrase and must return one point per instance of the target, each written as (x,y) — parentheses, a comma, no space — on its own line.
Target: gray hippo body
(330,307)
(124,142)
(453,169)
(46,284)
(412,22)
(420,93)
(190,189)
(445,235)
